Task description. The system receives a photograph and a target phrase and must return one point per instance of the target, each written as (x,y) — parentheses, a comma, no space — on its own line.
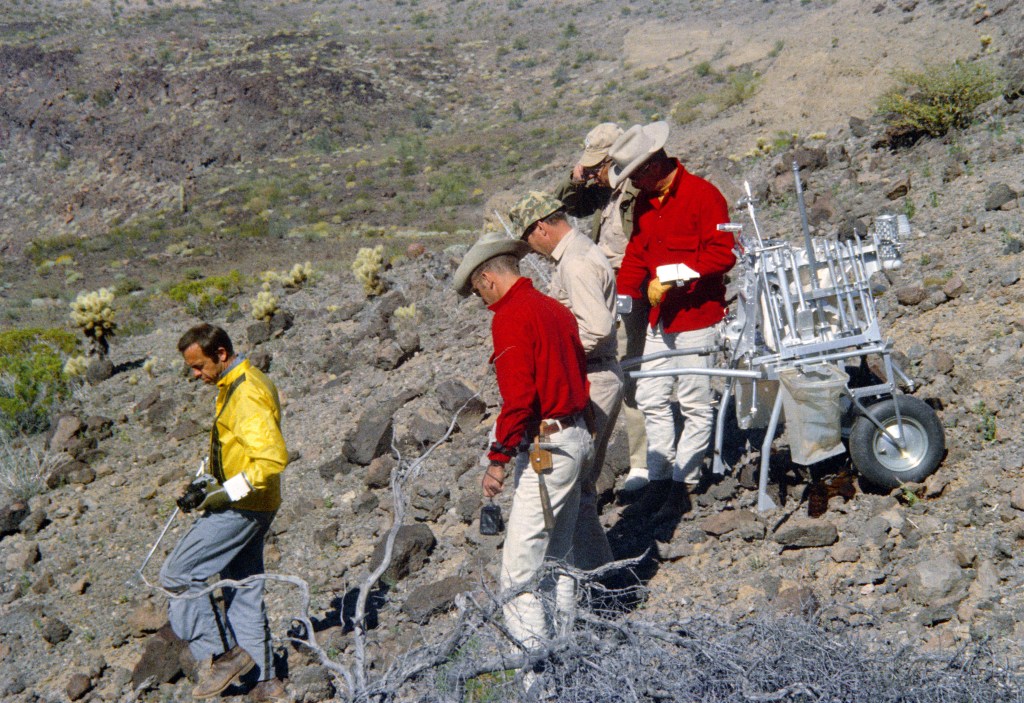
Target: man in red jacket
(542,376)
(679,253)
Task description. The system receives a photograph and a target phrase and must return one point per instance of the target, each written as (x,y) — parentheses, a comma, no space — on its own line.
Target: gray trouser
(228,543)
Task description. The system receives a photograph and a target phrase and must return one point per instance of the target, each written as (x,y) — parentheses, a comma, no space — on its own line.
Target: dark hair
(503,263)
(209,337)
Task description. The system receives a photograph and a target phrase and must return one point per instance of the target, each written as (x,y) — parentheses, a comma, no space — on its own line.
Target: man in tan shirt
(587,193)
(585,283)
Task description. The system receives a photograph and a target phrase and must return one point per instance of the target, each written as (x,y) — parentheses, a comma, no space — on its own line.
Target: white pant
(667,458)
(528,543)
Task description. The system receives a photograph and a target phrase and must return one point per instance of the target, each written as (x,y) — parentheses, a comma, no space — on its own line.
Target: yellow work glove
(656,291)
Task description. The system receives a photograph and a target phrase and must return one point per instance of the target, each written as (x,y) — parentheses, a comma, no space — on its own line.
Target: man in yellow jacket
(247,456)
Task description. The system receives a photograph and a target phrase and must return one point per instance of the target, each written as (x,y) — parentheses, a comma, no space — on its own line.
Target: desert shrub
(367,267)
(740,86)
(939,98)
(31,378)
(92,314)
(206,295)
(23,470)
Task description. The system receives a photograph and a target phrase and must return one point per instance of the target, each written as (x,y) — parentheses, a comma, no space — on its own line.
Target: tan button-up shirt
(585,283)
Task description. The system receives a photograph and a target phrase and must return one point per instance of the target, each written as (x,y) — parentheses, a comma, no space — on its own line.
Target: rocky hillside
(174,151)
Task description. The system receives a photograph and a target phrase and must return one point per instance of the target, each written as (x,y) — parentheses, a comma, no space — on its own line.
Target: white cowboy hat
(490,245)
(633,148)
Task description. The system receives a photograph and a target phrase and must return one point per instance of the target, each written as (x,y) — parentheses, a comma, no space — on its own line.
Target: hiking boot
(653,497)
(675,504)
(269,690)
(223,671)
(636,479)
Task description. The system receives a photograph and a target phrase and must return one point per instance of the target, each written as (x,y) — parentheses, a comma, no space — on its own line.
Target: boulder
(413,546)
(935,578)
(998,195)
(161,660)
(456,397)
(11,516)
(433,598)
(807,532)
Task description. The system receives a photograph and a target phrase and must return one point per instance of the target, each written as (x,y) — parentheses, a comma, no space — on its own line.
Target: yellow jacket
(246,437)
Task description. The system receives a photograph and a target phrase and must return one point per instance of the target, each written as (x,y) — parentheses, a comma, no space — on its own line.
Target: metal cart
(801,314)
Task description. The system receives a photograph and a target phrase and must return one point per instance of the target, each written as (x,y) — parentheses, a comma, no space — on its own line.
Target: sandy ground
(827,70)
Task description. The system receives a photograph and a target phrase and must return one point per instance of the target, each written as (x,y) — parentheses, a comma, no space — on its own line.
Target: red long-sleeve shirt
(681,228)
(539,361)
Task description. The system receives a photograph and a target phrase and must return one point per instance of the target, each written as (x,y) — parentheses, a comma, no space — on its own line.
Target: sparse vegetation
(939,98)
(31,378)
(203,296)
(22,469)
(986,427)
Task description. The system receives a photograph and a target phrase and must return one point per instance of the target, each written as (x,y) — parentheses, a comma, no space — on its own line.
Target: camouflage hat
(535,206)
(599,140)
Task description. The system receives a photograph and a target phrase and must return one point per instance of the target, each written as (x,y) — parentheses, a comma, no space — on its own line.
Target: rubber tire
(925,438)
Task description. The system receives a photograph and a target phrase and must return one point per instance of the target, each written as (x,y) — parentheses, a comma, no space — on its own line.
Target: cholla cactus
(300,273)
(264,305)
(406,312)
(367,267)
(92,313)
(76,366)
(151,366)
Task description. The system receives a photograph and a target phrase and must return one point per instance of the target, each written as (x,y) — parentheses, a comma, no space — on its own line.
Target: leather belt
(557,424)
(600,361)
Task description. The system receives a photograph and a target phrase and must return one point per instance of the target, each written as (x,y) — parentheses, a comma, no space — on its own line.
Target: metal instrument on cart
(802,315)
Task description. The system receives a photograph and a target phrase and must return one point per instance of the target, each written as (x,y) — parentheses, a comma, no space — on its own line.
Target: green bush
(206,295)
(31,378)
(939,98)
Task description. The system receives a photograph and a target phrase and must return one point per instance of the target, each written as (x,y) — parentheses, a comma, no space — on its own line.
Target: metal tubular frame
(783,321)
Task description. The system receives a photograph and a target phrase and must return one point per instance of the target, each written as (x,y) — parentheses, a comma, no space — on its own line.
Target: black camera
(195,494)
(491,522)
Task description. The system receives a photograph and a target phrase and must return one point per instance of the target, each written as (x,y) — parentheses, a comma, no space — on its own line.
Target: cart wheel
(876,455)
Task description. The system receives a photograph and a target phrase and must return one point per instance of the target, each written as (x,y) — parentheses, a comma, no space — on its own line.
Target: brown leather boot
(223,671)
(269,690)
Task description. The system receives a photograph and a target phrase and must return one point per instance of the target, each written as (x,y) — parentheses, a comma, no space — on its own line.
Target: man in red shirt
(542,376)
(679,253)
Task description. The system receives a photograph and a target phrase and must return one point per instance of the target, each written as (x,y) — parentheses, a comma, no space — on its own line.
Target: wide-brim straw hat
(635,146)
(490,245)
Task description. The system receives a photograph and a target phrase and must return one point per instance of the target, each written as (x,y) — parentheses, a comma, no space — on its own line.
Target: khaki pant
(528,544)
(631,332)
(667,458)
(590,548)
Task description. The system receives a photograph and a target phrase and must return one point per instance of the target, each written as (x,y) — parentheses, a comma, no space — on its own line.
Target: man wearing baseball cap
(678,251)
(588,193)
(541,371)
(583,281)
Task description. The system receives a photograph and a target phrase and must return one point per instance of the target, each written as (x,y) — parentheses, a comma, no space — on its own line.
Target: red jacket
(681,228)
(539,361)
